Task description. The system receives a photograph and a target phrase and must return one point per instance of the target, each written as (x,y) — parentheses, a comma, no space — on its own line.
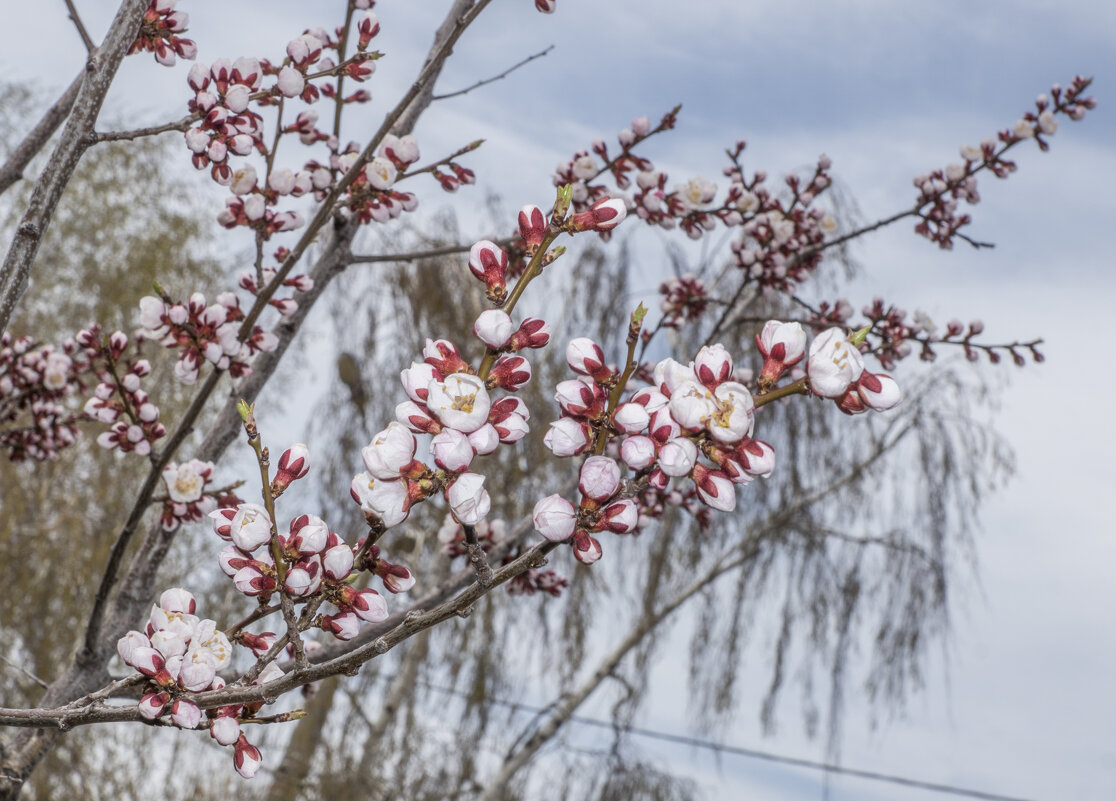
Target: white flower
(584,167)
(567,437)
(460,401)
(638,452)
(1046,122)
(381,173)
(243,180)
(691,405)
(833,364)
(733,419)
(184,482)
(452,450)
(1024,129)
(697,193)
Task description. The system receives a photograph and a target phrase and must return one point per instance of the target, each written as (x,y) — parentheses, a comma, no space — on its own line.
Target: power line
(680,739)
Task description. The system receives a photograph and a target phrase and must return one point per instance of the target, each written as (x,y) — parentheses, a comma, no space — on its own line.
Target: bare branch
(84,34)
(494,78)
(25,672)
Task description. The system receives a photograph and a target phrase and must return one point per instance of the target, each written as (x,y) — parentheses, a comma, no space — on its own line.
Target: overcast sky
(1027,706)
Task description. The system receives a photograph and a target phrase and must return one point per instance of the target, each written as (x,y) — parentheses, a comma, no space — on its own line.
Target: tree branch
(84,34)
(101,69)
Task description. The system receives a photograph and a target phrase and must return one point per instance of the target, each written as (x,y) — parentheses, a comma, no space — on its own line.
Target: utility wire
(752,753)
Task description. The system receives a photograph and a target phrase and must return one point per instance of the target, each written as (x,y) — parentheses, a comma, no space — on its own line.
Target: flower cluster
(941,191)
(34,381)
(203,332)
(684,298)
(893,336)
(118,399)
(696,421)
(451,402)
(181,653)
(580,171)
(159,33)
(315,562)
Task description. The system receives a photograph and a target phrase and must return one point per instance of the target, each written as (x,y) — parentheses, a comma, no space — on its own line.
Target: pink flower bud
(663,426)
(178,600)
(146,660)
(546,6)
(293,465)
(452,450)
(585,356)
(494,328)
(587,549)
(152,705)
(443,357)
(390,452)
(225,729)
(127,644)
(304,578)
(468,499)
(290,82)
(368,27)
(756,457)
(343,626)
(416,418)
(621,517)
(185,714)
(782,345)
(833,365)
(532,333)
(580,397)
(669,375)
(416,378)
(714,488)
(678,456)
(337,562)
(532,225)
(604,215)
(512,428)
(555,518)
(251,581)
(599,478)
(246,757)
(485,439)
(878,391)
(631,418)
(397,579)
(232,559)
(712,365)
(511,372)
(567,437)
(489,263)
(367,604)
(638,452)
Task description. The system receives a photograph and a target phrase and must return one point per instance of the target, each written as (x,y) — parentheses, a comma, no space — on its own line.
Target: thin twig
(137,133)
(84,34)
(494,78)
(26,672)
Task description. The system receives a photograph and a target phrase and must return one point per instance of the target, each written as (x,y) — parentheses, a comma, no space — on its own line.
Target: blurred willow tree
(124,222)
